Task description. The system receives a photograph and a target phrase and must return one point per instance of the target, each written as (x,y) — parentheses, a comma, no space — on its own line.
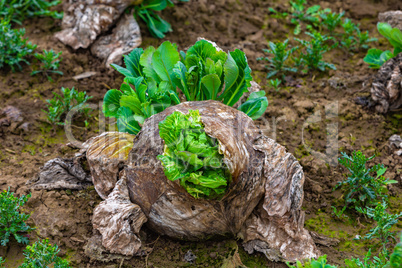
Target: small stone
(190,257)
(398,153)
(212,255)
(317,189)
(222,25)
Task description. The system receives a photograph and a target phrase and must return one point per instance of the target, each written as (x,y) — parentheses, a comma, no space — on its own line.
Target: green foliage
(192,157)
(353,38)
(42,254)
(49,63)
(361,188)
(331,20)
(2,262)
(275,83)
(153,76)
(281,53)
(13,48)
(367,262)
(321,262)
(255,105)
(314,50)
(299,14)
(376,57)
(12,222)
(18,10)
(60,105)
(384,222)
(395,260)
(156,25)
(384,259)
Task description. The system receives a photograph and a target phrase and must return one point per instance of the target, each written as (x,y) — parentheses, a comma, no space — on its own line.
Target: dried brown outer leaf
(386,89)
(119,221)
(125,37)
(276,226)
(62,173)
(263,172)
(170,209)
(84,20)
(106,155)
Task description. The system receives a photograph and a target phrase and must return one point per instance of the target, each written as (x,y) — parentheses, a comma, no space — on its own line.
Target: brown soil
(65,216)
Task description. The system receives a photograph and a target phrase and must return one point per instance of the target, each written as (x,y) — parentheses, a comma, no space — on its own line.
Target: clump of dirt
(312,116)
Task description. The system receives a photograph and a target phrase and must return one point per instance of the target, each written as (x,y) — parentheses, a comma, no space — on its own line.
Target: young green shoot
(50,62)
(12,221)
(60,105)
(279,55)
(14,49)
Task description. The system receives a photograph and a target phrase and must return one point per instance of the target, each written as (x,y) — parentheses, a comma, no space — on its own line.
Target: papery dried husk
(85,20)
(119,221)
(106,155)
(261,170)
(386,90)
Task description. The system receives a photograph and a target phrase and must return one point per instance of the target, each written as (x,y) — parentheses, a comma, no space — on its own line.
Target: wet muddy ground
(65,216)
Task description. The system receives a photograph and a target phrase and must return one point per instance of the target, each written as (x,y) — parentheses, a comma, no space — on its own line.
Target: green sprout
(49,63)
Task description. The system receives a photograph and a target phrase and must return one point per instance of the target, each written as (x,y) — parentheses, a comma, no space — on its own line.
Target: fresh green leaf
(111,102)
(126,121)
(237,77)
(211,83)
(255,105)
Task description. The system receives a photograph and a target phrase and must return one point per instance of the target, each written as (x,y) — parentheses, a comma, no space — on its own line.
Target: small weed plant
(331,20)
(2,261)
(60,105)
(313,52)
(384,222)
(361,189)
(275,83)
(14,49)
(383,260)
(157,26)
(42,254)
(352,38)
(18,10)
(368,261)
(12,221)
(299,13)
(376,57)
(49,63)
(280,54)
(321,262)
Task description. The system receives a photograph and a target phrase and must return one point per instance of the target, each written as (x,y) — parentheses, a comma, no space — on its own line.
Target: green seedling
(42,254)
(14,49)
(60,105)
(299,14)
(361,189)
(280,54)
(192,157)
(275,83)
(12,221)
(49,63)
(384,222)
(352,38)
(368,262)
(321,262)
(331,20)
(278,15)
(157,26)
(376,57)
(312,54)
(18,10)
